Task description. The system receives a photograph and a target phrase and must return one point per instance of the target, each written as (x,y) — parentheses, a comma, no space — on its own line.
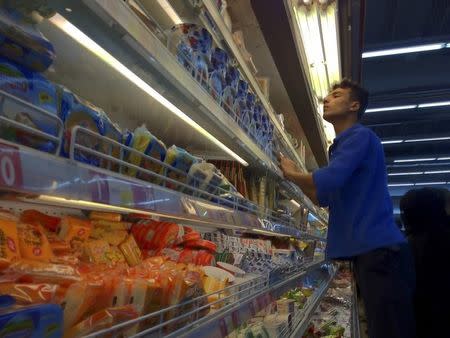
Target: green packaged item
(144,142)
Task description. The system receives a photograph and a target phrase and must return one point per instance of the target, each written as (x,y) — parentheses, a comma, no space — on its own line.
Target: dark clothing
(385,278)
(431,255)
(354,187)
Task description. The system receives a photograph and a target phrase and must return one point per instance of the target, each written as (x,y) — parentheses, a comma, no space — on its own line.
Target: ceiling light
(373,110)
(429,139)
(391,141)
(443,158)
(401,185)
(438,172)
(434,104)
(404,50)
(76,34)
(415,160)
(431,183)
(167,7)
(406,173)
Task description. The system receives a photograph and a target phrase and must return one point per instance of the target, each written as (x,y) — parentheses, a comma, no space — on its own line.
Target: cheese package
(22,42)
(131,251)
(96,251)
(35,89)
(105,216)
(144,142)
(181,161)
(111,225)
(9,243)
(74,230)
(102,320)
(33,242)
(114,237)
(74,112)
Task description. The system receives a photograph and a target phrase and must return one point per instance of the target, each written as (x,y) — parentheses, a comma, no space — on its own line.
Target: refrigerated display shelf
(76,181)
(235,305)
(226,35)
(120,16)
(302,321)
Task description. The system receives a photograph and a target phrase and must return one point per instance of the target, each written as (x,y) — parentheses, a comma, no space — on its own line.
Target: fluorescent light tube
(431,183)
(434,104)
(170,11)
(415,160)
(391,141)
(443,158)
(373,110)
(401,185)
(406,173)
(404,50)
(437,172)
(76,34)
(429,139)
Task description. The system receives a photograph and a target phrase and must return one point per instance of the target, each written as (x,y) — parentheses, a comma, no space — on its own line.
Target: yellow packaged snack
(9,243)
(114,237)
(74,230)
(114,256)
(106,216)
(131,251)
(96,251)
(33,242)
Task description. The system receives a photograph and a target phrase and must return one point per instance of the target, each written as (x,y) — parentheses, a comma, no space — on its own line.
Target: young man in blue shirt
(361,224)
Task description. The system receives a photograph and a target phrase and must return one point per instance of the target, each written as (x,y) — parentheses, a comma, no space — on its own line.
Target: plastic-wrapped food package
(75,111)
(44,320)
(205,176)
(36,90)
(74,230)
(33,242)
(31,216)
(154,235)
(131,251)
(22,43)
(105,216)
(144,142)
(29,293)
(182,161)
(9,243)
(112,131)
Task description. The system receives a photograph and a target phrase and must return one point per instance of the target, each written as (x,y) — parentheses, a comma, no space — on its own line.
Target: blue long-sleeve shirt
(354,187)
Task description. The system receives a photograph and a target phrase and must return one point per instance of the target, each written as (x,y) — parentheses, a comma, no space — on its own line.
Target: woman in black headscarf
(424,213)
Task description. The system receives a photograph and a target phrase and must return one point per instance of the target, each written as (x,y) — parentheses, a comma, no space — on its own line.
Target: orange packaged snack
(107,216)
(36,217)
(74,230)
(102,320)
(33,242)
(131,251)
(9,243)
(27,294)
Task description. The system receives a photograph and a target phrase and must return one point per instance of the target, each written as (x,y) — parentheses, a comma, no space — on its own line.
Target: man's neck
(342,125)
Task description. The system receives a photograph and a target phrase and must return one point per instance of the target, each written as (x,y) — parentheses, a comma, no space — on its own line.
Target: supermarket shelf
(119,15)
(227,36)
(305,318)
(224,322)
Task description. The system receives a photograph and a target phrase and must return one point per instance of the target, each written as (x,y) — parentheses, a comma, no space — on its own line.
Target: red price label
(10,167)
(99,188)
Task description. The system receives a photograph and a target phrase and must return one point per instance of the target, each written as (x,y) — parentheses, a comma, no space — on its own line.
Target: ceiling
(409,79)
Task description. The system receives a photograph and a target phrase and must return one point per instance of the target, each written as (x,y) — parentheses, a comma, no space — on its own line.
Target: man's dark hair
(358,93)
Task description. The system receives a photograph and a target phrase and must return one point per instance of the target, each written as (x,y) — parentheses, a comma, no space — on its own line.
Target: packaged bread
(181,161)
(74,230)
(131,251)
(38,91)
(29,293)
(21,41)
(9,243)
(102,320)
(33,242)
(75,111)
(143,141)
(105,216)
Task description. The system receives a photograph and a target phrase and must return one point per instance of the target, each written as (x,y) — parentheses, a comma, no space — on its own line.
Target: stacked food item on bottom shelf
(333,317)
(101,271)
(280,318)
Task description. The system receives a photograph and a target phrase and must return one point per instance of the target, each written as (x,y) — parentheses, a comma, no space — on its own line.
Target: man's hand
(288,167)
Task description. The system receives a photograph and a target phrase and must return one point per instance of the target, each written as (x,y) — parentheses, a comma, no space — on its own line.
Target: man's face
(338,104)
